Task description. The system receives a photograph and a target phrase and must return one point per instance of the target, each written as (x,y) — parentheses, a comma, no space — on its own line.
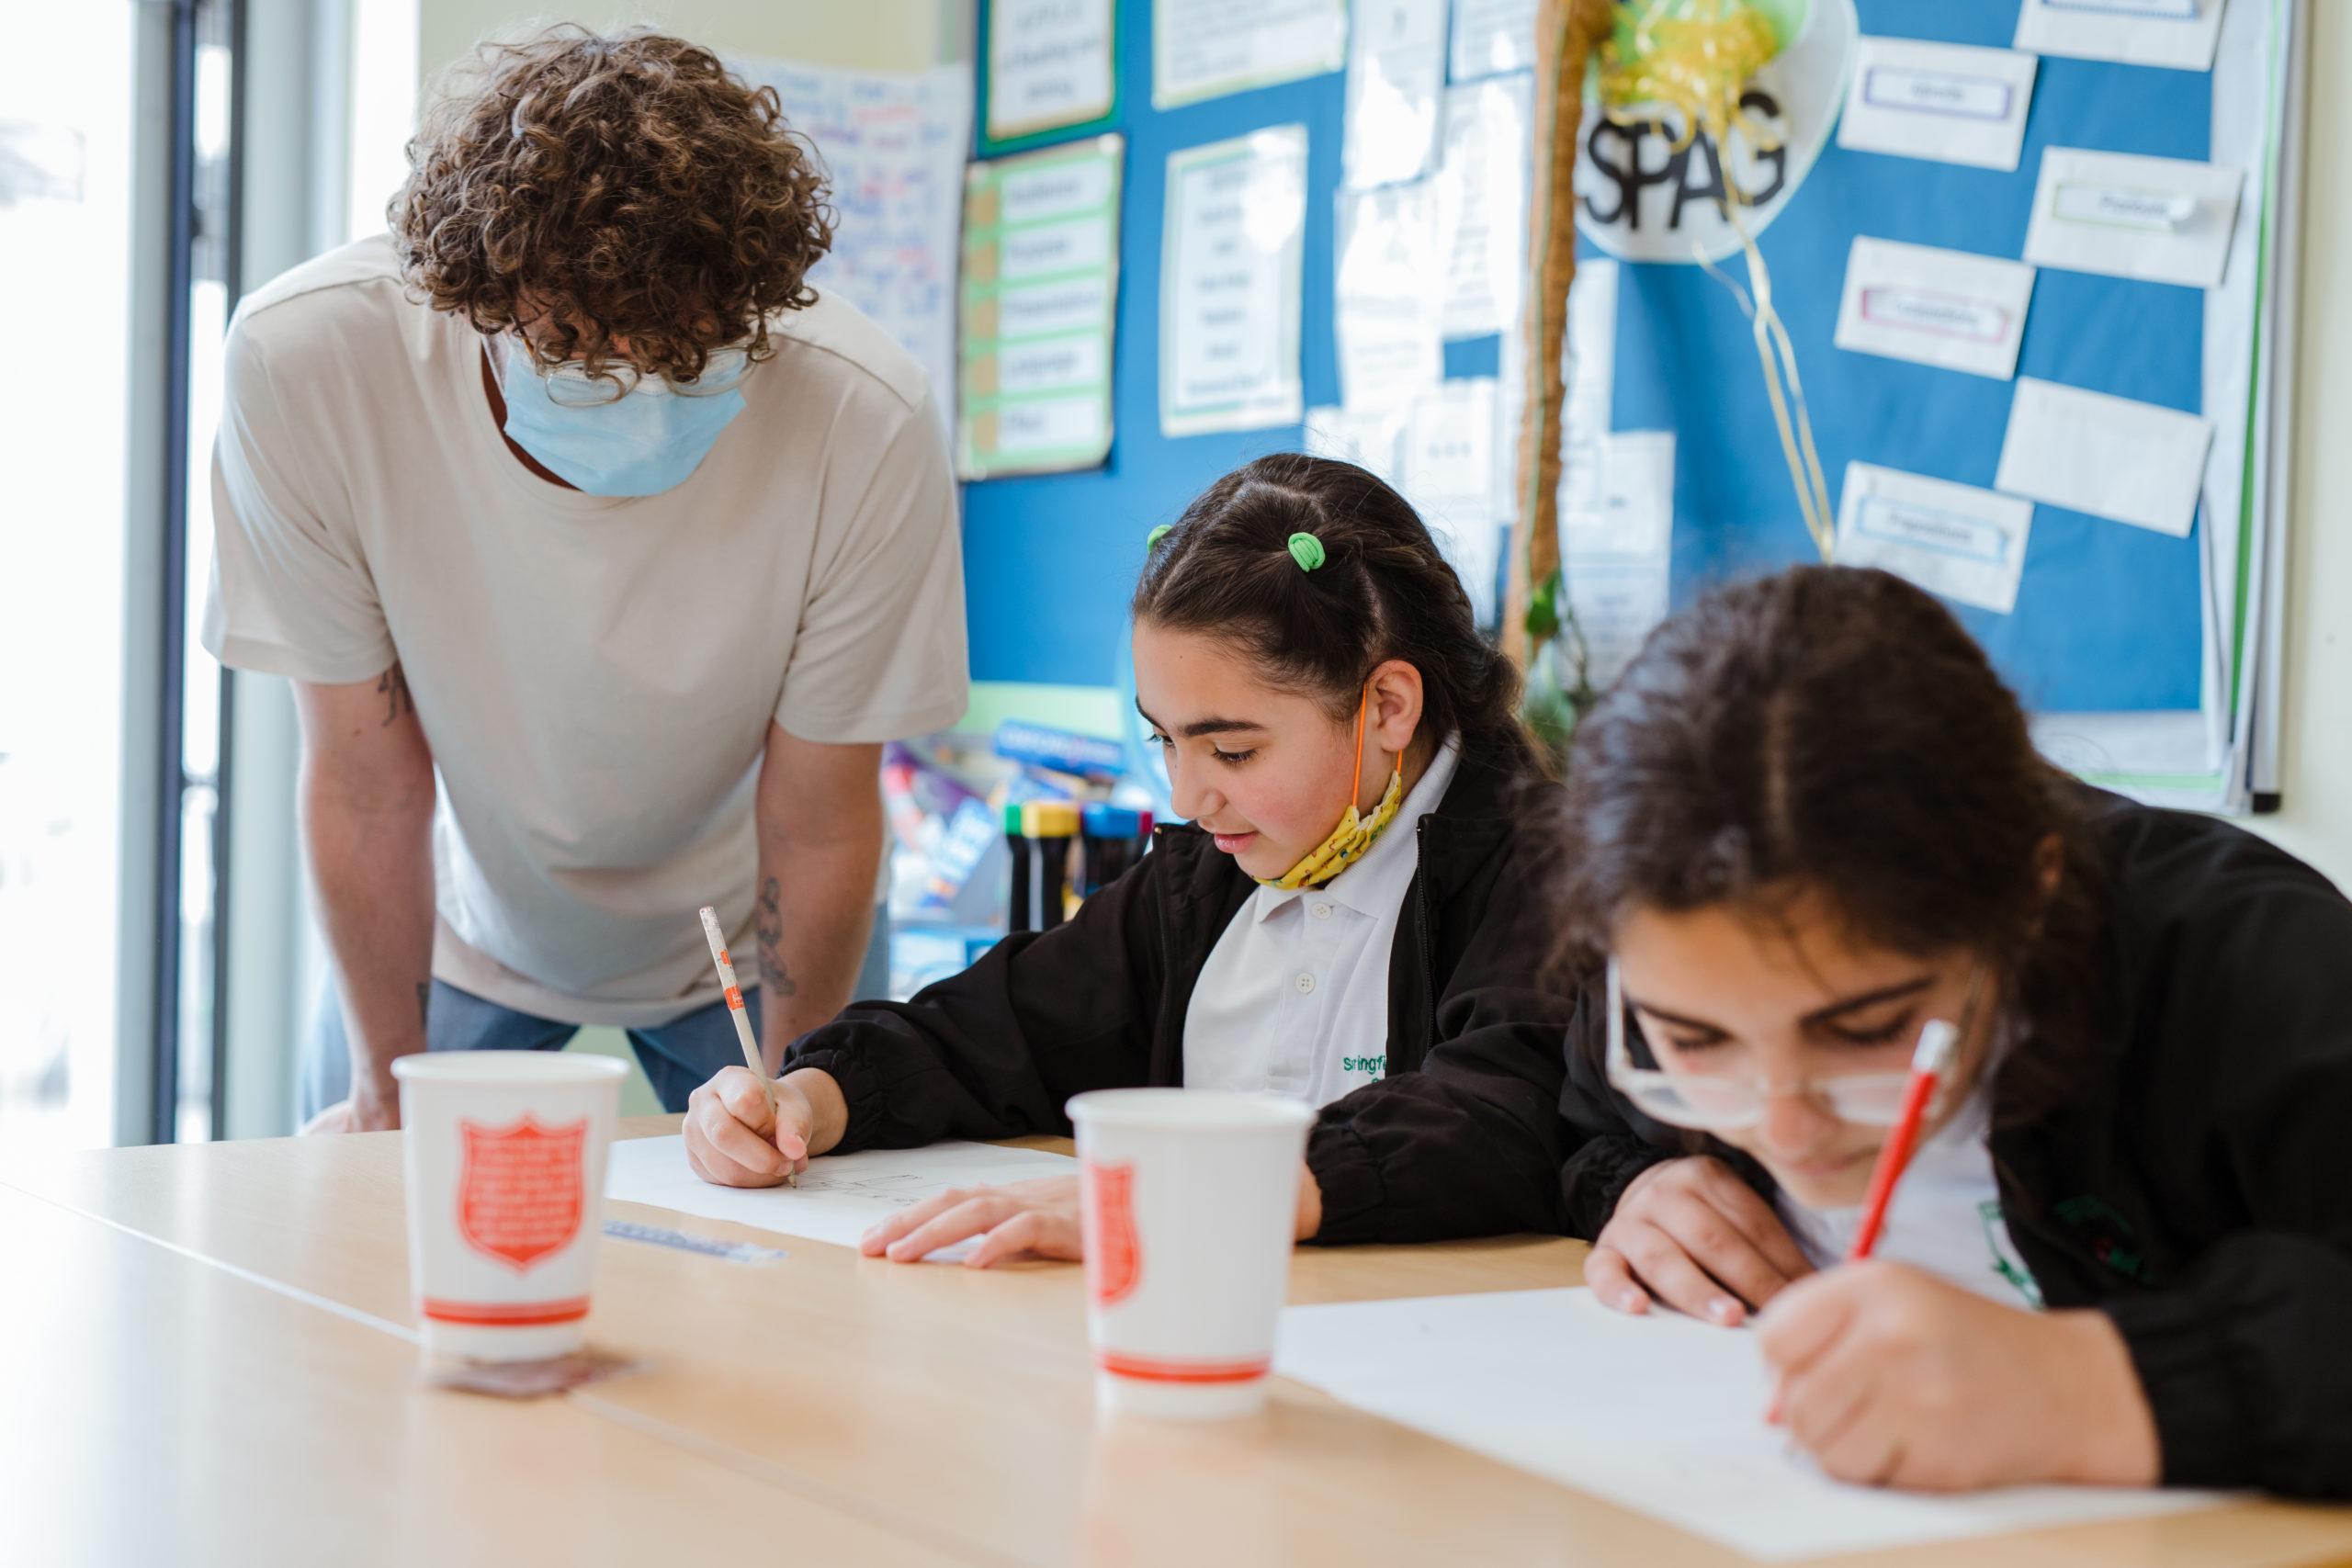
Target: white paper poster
(1492,37)
(1659,1413)
(1948,102)
(1948,308)
(1953,539)
(1204,49)
(2177,33)
(1373,441)
(1040,300)
(1449,466)
(2162,220)
(1385,297)
(1231,237)
(1590,377)
(1617,560)
(1482,191)
(1049,65)
(2109,456)
(1396,77)
(893,143)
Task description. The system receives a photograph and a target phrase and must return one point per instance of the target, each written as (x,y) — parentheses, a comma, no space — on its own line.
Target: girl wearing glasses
(1809,820)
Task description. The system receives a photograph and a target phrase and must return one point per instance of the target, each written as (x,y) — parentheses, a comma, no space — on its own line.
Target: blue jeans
(678,1056)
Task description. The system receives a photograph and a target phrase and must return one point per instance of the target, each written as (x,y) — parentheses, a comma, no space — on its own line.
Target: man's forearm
(813,912)
(373,866)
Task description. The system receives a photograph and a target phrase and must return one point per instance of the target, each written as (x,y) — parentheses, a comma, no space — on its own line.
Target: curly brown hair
(597,188)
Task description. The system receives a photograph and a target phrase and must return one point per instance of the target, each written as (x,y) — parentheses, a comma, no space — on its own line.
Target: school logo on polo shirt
(1653,188)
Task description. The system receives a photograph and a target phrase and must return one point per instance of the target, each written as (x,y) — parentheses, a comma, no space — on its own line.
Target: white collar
(1376,884)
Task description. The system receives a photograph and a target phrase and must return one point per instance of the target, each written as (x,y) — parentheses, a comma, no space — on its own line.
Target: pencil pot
(1189,1201)
(506,1156)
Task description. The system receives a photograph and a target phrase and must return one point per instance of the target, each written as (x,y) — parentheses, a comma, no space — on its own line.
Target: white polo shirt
(1293,999)
(595,675)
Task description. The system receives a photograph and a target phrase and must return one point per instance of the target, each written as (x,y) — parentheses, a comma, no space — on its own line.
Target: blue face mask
(642,443)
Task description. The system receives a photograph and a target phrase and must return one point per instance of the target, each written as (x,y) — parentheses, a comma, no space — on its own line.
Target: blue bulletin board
(2110,618)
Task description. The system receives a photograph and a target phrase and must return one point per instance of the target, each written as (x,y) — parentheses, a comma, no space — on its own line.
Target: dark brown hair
(1834,729)
(1384,591)
(617,186)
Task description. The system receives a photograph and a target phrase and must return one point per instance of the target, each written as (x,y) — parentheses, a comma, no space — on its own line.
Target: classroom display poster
(893,145)
(2019,248)
(1051,65)
(1230,284)
(1040,298)
(1206,49)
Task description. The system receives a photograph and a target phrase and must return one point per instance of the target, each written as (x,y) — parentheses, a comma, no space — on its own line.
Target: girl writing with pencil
(1808,826)
(1352,916)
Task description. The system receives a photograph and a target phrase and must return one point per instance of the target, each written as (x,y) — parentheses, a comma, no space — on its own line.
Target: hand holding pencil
(735,1010)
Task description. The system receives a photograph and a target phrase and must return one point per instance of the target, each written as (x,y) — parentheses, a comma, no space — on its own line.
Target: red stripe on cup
(506,1315)
(1152,1369)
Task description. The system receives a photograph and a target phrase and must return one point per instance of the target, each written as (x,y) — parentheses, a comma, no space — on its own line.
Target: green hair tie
(1151,540)
(1306,550)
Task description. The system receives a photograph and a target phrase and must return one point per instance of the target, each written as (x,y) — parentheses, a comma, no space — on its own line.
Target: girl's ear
(1393,713)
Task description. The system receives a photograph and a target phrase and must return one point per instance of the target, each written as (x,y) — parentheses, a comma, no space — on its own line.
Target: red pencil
(1938,1039)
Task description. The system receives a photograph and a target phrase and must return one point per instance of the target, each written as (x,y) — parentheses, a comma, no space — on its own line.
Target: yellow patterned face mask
(1355,832)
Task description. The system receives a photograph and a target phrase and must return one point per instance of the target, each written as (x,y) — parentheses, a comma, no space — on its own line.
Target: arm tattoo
(393,686)
(770,931)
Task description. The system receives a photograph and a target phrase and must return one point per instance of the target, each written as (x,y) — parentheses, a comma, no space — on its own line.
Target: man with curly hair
(574,492)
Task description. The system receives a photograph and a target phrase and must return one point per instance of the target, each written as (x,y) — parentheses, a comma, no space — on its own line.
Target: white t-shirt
(1945,1217)
(594,675)
(1293,999)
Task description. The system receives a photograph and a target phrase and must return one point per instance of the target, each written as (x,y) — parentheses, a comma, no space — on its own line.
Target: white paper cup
(1190,1203)
(505,1195)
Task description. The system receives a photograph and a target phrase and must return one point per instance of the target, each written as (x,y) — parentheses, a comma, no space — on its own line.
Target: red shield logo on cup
(521,1195)
(1113,1254)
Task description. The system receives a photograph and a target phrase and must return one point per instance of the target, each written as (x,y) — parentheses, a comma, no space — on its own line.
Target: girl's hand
(735,1137)
(1692,1234)
(1892,1377)
(1038,1217)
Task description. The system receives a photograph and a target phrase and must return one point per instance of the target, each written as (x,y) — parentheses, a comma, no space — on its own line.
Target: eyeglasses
(1711,1103)
(569,385)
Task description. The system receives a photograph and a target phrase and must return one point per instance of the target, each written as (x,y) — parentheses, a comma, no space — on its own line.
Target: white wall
(880,35)
(2316,754)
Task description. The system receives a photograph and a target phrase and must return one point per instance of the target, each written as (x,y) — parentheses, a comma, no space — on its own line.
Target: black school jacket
(2197,1185)
(1461,1137)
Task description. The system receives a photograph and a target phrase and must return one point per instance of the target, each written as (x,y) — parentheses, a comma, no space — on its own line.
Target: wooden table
(210,1356)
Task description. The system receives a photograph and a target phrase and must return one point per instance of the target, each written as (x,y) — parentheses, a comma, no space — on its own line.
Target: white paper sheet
(1373,442)
(1482,190)
(2109,456)
(1957,540)
(1049,64)
(1660,1413)
(1617,560)
(1385,297)
(840,1196)
(1590,375)
(1948,308)
(1229,283)
(1396,77)
(1449,466)
(1203,49)
(2177,33)
(1492,37)
(1949,102)
(893,144)
(2163,220)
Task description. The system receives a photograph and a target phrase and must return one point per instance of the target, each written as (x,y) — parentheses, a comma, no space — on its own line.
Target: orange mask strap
(1355,784)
